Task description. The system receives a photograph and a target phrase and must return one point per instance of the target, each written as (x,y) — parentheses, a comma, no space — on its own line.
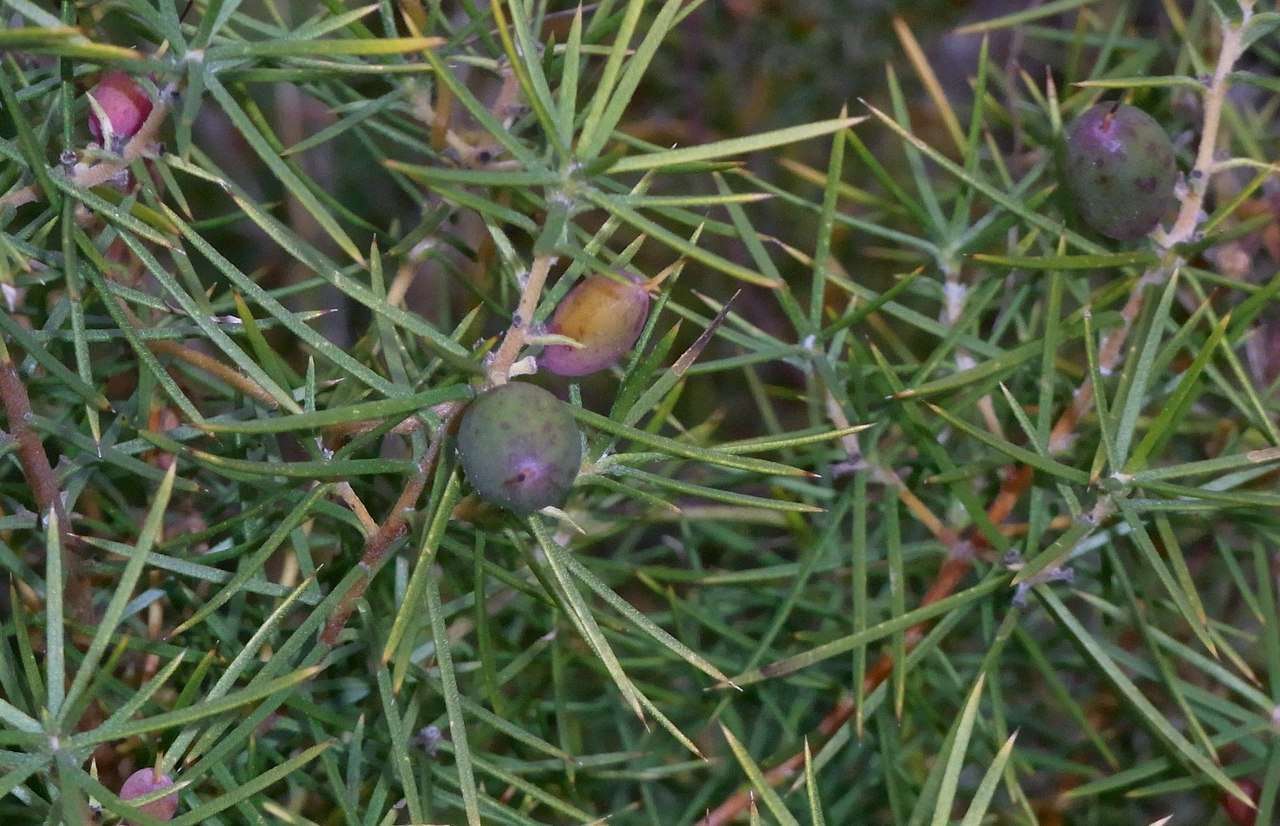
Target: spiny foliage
(914,499)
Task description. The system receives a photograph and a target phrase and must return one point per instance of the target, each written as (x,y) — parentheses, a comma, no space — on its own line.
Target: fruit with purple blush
(520,448)
(605,315)
(1120,170)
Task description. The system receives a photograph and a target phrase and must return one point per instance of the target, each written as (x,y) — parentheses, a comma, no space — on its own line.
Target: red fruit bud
(123,101)
(145,781)
(1237,812)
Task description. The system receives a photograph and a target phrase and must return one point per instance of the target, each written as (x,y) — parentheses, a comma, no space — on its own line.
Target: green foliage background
(956,511)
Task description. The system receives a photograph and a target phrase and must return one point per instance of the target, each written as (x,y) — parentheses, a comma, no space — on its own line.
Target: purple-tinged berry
(520,448)
(125,104)
(605,315)
(148,780)
(1120,169)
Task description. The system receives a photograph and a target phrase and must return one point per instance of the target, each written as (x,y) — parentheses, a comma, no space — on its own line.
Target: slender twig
(203,361)
(1233,46)
(886,476)
(518,332)
(353,501)
(954,569)
(41,479)
(379,544)
(215,368)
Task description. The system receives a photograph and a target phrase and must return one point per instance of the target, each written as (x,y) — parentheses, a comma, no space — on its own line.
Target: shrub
(913,499)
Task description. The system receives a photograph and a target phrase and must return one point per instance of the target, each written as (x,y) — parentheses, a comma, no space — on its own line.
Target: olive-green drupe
(520,448)
(1120,170)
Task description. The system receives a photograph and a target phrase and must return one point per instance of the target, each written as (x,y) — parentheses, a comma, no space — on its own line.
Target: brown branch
(42,481)
(215,368)
(354,502)
(378,545)
(202,361)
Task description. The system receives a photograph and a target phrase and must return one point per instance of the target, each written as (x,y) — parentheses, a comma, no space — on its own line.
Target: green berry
(519,447)
(1120,169)
(604,315)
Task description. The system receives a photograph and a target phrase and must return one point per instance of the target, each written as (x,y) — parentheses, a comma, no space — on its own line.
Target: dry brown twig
(348,495)
(499,370)
(396,525)
(954,569)
(209,364)
(202,361)
(42,480)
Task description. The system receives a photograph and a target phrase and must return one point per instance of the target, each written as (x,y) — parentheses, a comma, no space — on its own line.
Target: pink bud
(125,103)
(145,781)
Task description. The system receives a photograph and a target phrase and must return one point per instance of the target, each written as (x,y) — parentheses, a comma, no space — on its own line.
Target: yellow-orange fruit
(603,314)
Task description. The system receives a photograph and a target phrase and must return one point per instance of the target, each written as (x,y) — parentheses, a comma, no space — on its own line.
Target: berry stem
(518,332)
(1232,48)
(380,542)
(1184,227)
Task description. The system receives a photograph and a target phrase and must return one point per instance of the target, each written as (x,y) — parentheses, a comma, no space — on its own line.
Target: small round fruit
(123,101)
(605,316)
(519,447)
(1237,812)
(1120,169)
(146,781)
